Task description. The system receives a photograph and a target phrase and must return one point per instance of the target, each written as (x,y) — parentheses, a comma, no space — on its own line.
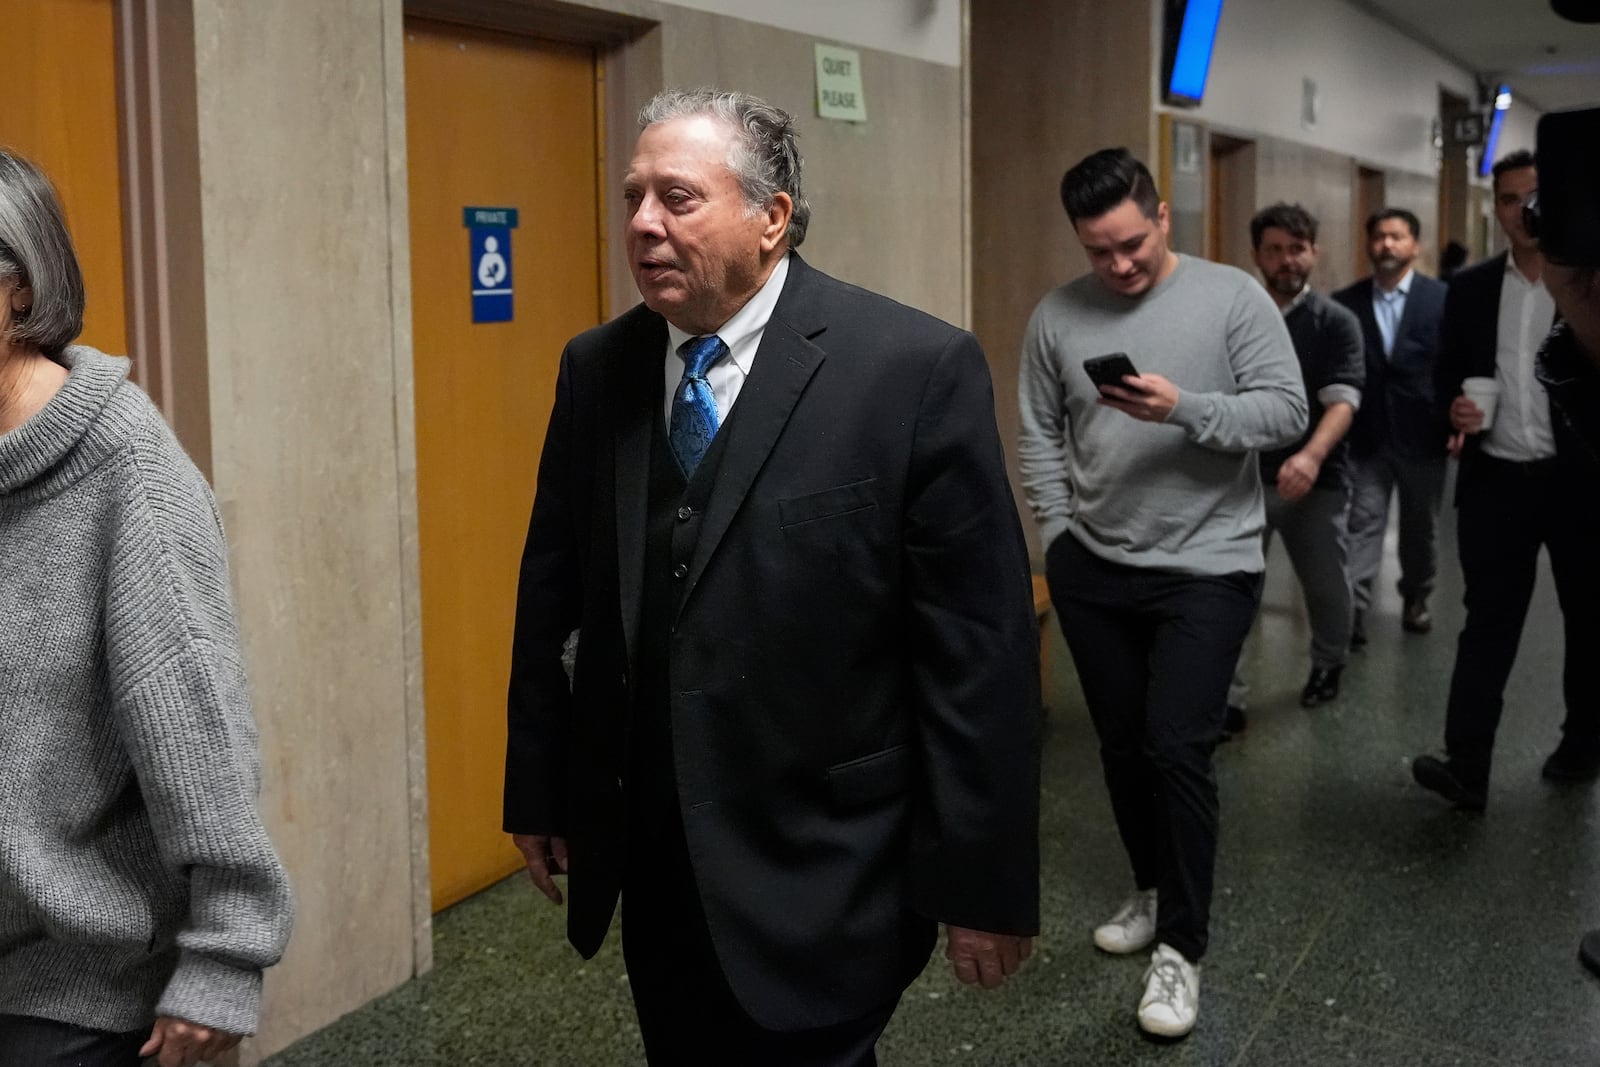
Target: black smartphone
(1109,369)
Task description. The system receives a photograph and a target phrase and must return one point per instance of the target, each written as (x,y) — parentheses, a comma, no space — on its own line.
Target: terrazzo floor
(1358,920)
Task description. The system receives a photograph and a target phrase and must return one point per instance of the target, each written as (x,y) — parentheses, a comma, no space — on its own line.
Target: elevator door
(60,111)
(492,121)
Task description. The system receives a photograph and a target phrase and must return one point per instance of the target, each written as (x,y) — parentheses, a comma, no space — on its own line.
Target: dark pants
(29,1042)
(687,1012)
(1507,512)
(1419,483)
(1155,651)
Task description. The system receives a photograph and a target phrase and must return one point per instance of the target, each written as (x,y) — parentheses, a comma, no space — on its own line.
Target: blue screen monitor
(1188,51)
(1497,119)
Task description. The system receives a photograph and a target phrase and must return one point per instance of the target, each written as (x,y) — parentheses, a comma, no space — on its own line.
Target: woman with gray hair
(140,898)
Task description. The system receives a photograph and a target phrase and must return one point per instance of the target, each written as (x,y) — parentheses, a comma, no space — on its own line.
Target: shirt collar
(1513,272)
(748,320)
(1401,290)
(1299,299)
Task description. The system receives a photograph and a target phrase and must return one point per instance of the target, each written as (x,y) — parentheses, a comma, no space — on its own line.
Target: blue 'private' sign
(490,245)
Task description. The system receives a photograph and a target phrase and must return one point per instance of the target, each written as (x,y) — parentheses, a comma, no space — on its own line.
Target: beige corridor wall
(1050,83)
(314,480)
(1323,183)
(888,195)
(1419,194)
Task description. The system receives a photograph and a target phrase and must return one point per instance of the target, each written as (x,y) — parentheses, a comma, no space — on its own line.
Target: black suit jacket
(1469,348)
(1398,406)
(854,666)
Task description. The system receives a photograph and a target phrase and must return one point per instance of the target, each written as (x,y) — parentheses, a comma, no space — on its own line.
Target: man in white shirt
(1514,493)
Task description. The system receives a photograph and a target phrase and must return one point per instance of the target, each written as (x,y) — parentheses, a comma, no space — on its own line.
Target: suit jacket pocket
(840,500)
(869,779)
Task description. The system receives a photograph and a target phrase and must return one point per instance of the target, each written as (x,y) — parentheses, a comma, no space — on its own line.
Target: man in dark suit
(1516,489)
(803,723)
(1565,222)
(1397,443)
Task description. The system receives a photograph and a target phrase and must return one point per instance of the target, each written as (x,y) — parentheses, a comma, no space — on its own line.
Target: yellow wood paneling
(60,111)
(491,121)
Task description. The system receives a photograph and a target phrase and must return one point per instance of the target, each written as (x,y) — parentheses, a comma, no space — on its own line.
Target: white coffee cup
(1484,392)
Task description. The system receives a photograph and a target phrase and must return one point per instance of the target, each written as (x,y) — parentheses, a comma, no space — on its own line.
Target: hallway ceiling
(1550,62)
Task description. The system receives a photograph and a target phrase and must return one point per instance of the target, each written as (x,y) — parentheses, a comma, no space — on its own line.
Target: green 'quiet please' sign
(839,94)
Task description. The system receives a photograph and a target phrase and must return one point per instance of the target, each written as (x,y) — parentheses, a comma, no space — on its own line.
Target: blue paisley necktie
(694,409)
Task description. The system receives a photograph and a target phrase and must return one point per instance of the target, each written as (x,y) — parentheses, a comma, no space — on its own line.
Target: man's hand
(537,852)
(181,1043)
(1465,417)
(1297,475)
(986,958)
(1147,397)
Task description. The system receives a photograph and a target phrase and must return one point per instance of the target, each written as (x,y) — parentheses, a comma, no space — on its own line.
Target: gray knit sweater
(1183,495)
(136,877)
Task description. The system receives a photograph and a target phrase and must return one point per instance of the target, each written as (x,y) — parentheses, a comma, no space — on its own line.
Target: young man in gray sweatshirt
(1149,502)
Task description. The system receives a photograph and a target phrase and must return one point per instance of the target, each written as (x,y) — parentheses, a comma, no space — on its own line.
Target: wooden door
(1369,190)
(491,122)
(1232,200)
(60,111)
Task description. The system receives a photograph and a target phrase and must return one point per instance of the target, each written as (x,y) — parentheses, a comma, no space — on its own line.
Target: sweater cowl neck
(57,443)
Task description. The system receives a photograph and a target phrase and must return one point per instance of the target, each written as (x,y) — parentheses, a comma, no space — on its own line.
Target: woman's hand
(181,1043)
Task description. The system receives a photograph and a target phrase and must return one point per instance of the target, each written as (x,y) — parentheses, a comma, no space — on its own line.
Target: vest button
(681,571)
(684,513)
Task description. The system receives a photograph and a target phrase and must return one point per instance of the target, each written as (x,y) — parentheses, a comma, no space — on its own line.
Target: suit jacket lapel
(1369,319)
(1487,305)
(639,392)
(783,366)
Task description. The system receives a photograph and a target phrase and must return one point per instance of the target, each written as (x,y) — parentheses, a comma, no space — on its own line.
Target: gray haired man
(803,723)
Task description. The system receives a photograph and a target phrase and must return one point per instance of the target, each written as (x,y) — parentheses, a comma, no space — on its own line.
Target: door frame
(629,66)
(628,61)
(162,236)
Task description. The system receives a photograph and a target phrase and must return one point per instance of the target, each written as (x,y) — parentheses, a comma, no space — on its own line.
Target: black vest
(673,520)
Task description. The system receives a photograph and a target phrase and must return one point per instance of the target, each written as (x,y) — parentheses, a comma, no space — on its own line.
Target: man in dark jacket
(803,724)
(1307,485)
(1566,223)
(1514,493)
(1397,444)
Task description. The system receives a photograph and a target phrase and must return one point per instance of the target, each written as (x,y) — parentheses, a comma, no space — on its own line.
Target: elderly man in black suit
(1397,443)
(1518,488)
(803,724)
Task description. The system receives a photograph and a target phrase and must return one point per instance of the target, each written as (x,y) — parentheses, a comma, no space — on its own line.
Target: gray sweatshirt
(136,877)
(1184,495)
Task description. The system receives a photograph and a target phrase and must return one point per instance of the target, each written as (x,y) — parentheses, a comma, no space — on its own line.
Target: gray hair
(36,251)
(764,158)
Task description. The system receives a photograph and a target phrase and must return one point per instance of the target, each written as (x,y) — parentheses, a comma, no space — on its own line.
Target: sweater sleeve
(1042,446)
(183,713)
(1268,408)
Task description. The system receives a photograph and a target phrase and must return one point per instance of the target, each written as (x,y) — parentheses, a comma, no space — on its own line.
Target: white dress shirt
(1389,308)
(742,335)
(1521,431)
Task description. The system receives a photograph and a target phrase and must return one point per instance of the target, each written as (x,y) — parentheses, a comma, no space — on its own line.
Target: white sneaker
(1171,1001)
(1132,928)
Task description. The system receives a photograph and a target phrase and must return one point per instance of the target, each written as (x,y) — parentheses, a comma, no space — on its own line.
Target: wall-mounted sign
(489,243)
(839,94)
(1465,129)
